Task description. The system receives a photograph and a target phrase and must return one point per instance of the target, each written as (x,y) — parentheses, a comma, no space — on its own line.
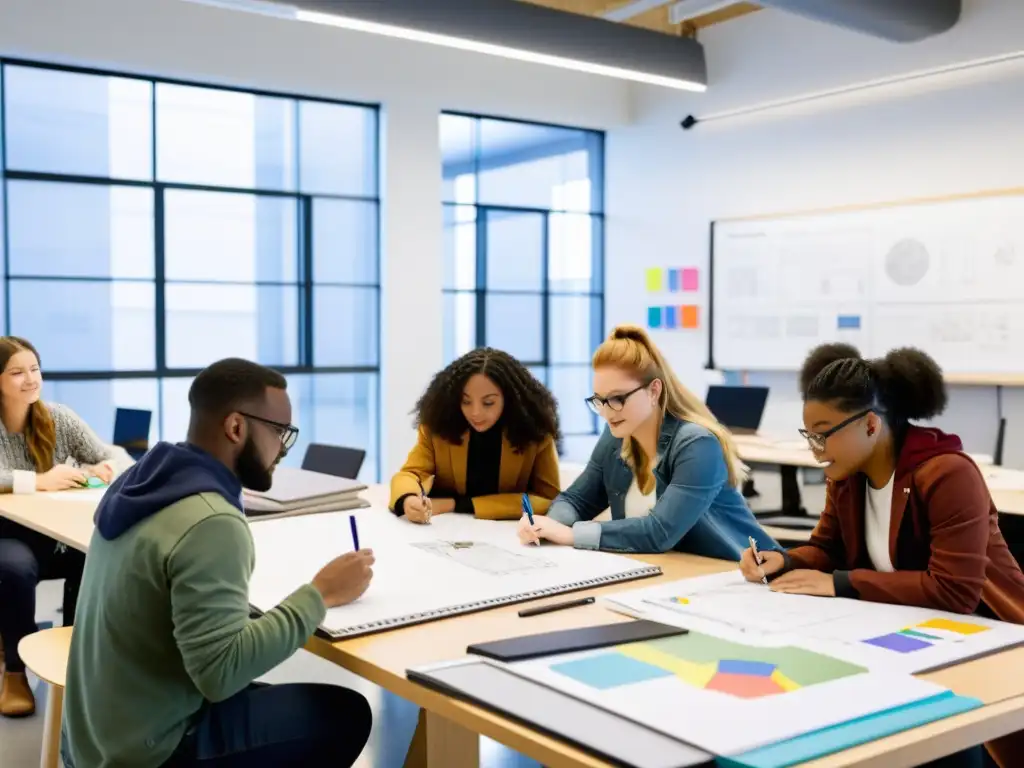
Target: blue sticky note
(848,322)
(673,280)
(654,317)
(671,317)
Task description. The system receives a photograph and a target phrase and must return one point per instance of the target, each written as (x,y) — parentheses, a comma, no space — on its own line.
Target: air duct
(902,21)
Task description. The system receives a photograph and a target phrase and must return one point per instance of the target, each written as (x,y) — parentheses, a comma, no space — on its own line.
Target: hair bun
(631,332)
(910,383)
(821,357)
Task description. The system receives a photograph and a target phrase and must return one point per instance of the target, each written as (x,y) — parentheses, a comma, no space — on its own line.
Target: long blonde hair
(630,349)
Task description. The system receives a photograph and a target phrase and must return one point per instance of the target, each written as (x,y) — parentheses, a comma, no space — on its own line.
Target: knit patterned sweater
(75,441)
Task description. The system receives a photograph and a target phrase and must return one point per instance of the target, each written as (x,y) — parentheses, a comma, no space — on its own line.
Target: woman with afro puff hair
(487,434)
(908,517)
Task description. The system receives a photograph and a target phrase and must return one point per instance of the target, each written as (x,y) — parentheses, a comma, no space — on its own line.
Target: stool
(45,654)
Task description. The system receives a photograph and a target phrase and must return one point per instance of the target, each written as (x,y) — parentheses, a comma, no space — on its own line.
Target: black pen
(550,607)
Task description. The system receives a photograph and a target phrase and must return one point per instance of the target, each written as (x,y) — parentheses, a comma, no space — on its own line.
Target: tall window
(151,227)
(523,224)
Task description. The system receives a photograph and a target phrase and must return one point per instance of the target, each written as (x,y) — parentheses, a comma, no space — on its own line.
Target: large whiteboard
(945,276)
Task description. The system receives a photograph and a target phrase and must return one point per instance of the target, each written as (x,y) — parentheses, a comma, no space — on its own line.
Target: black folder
(573,640)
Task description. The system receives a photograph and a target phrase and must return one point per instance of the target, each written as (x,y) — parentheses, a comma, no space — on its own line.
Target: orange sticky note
(690,316)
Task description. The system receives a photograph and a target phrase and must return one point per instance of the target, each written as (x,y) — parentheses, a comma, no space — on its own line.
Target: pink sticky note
(690,279)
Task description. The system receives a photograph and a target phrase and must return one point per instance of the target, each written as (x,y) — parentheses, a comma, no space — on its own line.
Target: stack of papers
(301,492)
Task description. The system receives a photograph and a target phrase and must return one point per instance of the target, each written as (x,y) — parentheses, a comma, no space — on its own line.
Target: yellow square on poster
(655,280)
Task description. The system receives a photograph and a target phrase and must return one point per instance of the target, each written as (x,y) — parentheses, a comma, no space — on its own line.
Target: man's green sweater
(163,619)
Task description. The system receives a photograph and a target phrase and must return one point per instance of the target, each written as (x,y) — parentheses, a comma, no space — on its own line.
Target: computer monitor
(738,408)
(131,430)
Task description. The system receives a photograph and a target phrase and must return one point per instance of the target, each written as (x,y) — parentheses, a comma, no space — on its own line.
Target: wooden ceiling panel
(656,19)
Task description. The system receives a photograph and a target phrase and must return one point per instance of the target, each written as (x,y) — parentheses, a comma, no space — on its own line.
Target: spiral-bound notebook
(423,572)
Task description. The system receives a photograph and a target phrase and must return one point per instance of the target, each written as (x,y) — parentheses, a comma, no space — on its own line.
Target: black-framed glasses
(615,402)
(288,433)
(817,439)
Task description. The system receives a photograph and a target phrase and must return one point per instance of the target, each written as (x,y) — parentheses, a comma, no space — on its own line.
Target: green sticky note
(655,280)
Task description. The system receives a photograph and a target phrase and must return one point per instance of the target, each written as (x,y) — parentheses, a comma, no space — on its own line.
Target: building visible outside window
(148,228)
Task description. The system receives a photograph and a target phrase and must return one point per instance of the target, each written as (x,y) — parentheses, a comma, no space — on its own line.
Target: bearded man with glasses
(164,651)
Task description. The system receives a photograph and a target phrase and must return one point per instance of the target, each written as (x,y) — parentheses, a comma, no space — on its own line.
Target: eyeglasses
(288,433)
(817,439)
(615,402)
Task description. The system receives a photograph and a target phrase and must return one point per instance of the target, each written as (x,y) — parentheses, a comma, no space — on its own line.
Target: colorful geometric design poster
(703,661)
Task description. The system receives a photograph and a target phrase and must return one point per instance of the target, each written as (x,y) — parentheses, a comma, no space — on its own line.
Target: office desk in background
(1005,485)
(448,735)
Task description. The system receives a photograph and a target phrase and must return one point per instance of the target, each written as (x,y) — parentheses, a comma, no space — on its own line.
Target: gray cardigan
(75,441)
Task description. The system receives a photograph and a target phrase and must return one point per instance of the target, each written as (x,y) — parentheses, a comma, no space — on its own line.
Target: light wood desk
(448,736)
(1005,485)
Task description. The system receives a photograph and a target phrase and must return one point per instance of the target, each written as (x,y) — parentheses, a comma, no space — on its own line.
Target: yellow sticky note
(655,280)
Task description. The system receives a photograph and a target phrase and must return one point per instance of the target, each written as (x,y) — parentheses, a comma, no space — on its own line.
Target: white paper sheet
(422,571)
(730,600)
(882,637)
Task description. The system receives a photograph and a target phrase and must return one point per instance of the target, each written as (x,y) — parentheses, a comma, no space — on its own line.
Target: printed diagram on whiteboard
(703,661)
(945,276)
(907,262)
(483,557)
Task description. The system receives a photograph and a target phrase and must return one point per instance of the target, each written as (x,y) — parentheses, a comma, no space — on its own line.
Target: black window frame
(305,280)
(481,291)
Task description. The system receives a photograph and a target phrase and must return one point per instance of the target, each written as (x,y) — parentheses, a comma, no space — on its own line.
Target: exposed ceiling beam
(679,14)
(635,8)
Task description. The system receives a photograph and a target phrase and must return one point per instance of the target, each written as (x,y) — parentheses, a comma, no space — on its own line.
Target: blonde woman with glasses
(665,467)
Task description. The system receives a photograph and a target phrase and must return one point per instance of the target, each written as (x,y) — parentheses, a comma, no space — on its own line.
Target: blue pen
(527,508)
(355,532)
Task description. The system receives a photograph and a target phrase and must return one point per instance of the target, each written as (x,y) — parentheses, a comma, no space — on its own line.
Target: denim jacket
(697,511)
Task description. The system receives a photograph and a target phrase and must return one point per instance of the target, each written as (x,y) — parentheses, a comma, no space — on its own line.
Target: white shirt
(639,504)
(877,514)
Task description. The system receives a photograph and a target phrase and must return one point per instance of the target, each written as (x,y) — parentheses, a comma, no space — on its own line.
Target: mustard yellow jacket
(441,468)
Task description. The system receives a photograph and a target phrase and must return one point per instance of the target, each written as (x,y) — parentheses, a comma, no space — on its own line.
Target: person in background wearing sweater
(164,654)
(488,431)
(908,517)
(43,447)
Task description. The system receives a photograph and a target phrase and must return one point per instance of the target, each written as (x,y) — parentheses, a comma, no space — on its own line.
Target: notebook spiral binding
(442,613)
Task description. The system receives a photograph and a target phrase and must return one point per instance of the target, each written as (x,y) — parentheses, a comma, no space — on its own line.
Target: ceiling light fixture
(511,30)
(357,25)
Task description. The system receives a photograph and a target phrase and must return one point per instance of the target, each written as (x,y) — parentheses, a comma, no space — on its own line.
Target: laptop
(738,408)
(131,430)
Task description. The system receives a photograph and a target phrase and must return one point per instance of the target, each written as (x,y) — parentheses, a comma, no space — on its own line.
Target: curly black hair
(530,414)
(906,384)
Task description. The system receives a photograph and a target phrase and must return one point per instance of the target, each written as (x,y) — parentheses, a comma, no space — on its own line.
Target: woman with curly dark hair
(488,431)
(908,517)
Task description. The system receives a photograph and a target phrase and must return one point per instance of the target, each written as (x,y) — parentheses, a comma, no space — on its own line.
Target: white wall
(945,135)
(413,83)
